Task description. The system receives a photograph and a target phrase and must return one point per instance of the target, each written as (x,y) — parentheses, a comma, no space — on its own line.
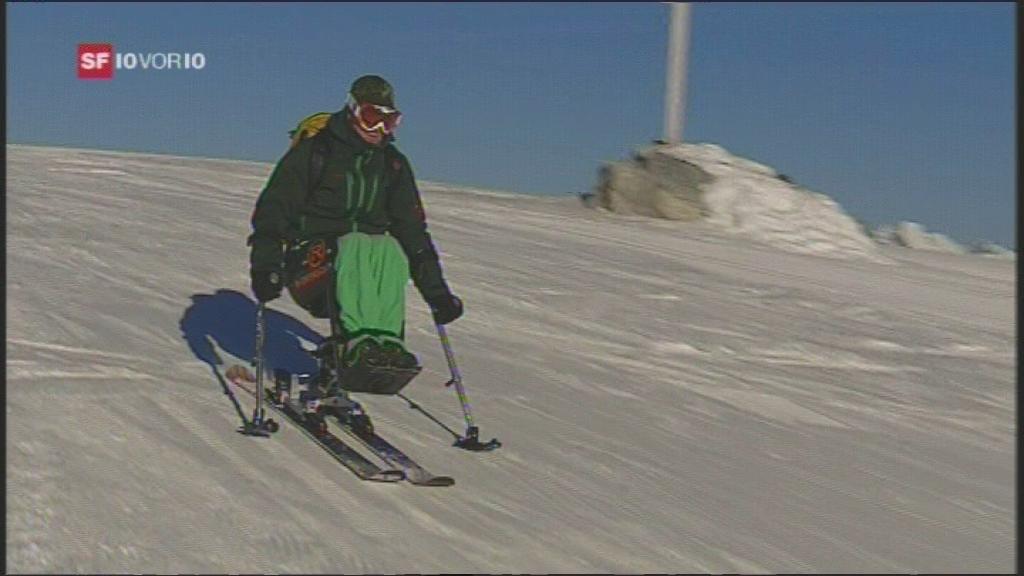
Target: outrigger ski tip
(250,429)
(475,445)
(258,426)
(471,441)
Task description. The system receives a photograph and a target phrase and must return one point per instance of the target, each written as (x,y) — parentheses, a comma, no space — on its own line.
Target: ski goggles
(375,117)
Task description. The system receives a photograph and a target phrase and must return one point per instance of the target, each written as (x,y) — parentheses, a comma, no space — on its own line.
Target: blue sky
(897,111)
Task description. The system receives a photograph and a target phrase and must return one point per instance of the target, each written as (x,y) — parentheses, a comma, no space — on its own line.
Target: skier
(347,195)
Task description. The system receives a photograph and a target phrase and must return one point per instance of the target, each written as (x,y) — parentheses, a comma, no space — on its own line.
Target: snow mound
(740,195)
(914,235)
(993,250)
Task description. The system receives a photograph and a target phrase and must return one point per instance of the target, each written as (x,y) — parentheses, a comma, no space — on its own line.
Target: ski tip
(238,372)
(474,445)
(253,431)
(423,478)
(388,476)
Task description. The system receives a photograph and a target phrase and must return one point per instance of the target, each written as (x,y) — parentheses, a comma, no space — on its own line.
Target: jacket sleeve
(278,206)
(408,224)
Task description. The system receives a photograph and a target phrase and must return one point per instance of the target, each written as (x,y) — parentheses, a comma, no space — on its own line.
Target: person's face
(371,137)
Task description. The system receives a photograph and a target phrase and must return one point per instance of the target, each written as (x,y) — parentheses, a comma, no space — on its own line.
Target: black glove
(266,284)
(446,308)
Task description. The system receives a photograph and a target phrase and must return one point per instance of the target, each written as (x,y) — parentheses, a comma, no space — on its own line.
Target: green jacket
(363,188)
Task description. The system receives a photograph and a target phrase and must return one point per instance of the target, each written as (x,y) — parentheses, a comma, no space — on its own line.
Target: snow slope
(671,399)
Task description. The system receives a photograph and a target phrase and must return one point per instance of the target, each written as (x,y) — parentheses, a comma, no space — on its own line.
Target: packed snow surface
(671,399)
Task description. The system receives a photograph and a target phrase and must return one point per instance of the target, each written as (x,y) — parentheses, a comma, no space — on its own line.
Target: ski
(315,427)
(414,473)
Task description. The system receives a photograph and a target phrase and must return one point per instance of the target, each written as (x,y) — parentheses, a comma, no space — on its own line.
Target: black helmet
(372,89)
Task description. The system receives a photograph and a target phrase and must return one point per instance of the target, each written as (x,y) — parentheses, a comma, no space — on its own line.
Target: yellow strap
(309,126)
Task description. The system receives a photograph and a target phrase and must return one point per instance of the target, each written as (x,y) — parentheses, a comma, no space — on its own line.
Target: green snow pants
(372,274)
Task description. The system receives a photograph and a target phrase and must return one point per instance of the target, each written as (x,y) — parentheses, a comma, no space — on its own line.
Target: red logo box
(96,61)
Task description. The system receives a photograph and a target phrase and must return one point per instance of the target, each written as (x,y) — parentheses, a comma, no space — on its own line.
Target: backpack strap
(314,128)
(295,249)
(317,160)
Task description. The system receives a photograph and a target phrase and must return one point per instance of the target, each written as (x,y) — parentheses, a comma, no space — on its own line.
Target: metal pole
(456,377)
(261,334)
(675,75)
(471,441)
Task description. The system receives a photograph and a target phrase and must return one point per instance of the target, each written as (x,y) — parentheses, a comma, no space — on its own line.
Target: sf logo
(96,61)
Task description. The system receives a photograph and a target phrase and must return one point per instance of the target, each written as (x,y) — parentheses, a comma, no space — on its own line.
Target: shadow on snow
(227,320)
